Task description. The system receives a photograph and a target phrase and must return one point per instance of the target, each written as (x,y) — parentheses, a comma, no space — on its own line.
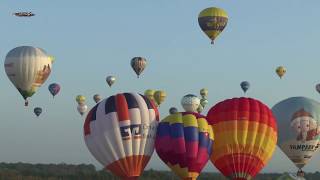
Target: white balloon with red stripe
(120,132)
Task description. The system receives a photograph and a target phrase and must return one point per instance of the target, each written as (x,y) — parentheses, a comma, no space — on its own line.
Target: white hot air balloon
(82,109)
(190,103)
(27,68)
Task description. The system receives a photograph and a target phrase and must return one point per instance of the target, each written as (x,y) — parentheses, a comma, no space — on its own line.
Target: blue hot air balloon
(54,89)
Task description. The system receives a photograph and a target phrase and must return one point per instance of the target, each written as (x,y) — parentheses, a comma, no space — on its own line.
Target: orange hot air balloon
(245,134)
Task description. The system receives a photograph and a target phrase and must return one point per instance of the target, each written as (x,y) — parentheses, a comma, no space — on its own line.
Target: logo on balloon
(137,131)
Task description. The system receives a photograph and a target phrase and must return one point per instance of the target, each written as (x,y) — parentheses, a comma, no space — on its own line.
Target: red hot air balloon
(120,132)
(245,133)
(184,143)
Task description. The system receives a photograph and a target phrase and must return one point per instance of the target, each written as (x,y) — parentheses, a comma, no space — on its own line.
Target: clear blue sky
(93,39)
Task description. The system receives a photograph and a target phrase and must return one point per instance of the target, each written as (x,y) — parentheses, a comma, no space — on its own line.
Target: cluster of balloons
(158,97)
(82,107)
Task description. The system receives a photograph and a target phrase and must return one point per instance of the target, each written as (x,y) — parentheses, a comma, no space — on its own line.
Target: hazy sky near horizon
(93,39)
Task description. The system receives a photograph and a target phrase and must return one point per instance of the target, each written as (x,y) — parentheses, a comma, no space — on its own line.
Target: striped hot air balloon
(120,132)
(138,64)
(245,134)
(184,143)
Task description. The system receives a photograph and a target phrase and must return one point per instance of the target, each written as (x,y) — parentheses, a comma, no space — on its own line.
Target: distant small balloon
(97,98)
(281,71)
(190,103)
(82,109)
(159,97)
(37,111)
(200,108)
(110,80)
(173,110)
(54,89)
(204,93)
(80,99)
(138,64)
(245,85)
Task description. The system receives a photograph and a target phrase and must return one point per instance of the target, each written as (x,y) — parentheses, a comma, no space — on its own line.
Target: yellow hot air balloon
(149,94)
(80,99)
(204,93)
(212,21)
(281,71)
(159,97)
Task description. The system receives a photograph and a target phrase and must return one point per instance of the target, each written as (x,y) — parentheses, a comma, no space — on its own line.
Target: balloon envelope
(204,93)
(245,85)
(173,110)
(97,98)
(82,109)
(149,93)
(54,89)
(299,128)
(184,143)
(212,21)
(281,71)
(80,99)
(27,68)
(138,64)
(120,132)
(110,80)
(190,103)
(245,133)
(318,88)
(159,97)
(37,111)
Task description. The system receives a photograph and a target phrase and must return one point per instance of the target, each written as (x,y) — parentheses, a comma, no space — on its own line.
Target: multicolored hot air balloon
(97,98)
(299,128)
(138,64)
(81,99)
(184,143)
(54,89)
(37,111)
(159,97)
(82,109)
(245,133)
(245,85)
(173,110)
(27,68)
(281,71)
(120,132)
(190,103)
(212,22)
(110,80)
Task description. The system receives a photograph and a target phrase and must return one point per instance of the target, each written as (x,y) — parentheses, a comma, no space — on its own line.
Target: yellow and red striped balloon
(245,134)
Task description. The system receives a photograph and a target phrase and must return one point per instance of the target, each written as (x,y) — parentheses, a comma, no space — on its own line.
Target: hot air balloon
(97,98)
(212,22)
(159,97)
(200,108)
(204,93)
(120,132)
(184,142)
(149,93)
(173,110)
(138,64)
(27,68)
(82,109)
(110,80)
(203,102)
(80,99)
(245,85)
(37,111)
(299,128)
(52,59)
(54,89)
(245,133)
(318,88)
(281,71)
(190,103)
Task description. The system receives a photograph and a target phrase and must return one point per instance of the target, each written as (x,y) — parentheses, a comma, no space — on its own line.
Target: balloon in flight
(245,85)
(159,97)
(37,111)
(110,80)
(138,64)
(318,88)
(173,110)
(80,99)
(190,103)
(149,93)
(82,109)
(212,22)
(120,133)
(54,89)
(184,143)
(299,126)
(281,71)
(204,93)
(245,133)
(27,68)
(97,98)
